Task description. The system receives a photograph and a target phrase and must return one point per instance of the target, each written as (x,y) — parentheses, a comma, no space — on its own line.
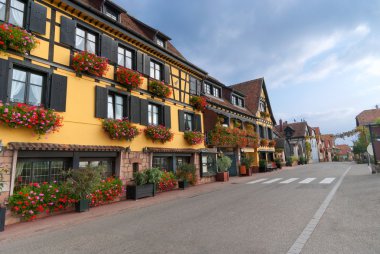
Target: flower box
(129,78)
(120,129)
(194,137)
(222,176)
(158,133)
(16,38)
(272,143)
(85,62)
(82,205)
(2,218)
(141,191)
(264,142)
(227,137)
(159,89)
(183,184)
(198,102)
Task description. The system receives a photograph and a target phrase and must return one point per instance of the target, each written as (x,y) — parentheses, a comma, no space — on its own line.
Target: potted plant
(262,165)
(198,102)
(3,209)
(83,182)
(145,184)
(223,163)
(120,129)
(245,167)
(86,62)
(194,137)
(16,38)
(128,78)
(158,133)
(186,175)
(159,89)
(278,163)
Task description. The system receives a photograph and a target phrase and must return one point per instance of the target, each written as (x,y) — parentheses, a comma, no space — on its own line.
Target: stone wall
(127,161)
(6,158)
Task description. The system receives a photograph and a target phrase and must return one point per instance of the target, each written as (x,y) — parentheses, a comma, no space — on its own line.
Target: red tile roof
(343,149)
(228,105)
(329,140)
(367,117)
(299,128)
(62,147)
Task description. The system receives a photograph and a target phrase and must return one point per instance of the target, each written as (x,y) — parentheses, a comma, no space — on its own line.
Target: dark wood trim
(52,35)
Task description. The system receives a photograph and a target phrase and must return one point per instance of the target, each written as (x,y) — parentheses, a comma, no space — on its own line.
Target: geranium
(159,89)
(272,143)
(16,38)
(129,78)
(158,133)
(109,190)
(120,129)
(85,62)
(39,119)
(198,102)
(167,182)
(231,137)
(194,137)
(264,142)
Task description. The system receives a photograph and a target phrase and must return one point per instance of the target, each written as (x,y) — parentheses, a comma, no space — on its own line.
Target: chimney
(281,125)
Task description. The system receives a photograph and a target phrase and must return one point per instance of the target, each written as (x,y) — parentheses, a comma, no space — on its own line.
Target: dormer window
(212,90)
(262,106)
(160,42)
(111,12)
(237,101)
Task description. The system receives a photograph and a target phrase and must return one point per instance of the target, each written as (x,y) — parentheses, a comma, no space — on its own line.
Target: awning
(62,147)
(248,150)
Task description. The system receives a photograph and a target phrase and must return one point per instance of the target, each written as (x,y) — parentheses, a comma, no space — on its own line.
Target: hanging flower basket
(198,102)
(224,136)
(264,142)
(129,78)
(85,62)
(120,129)
(16,38)
(272,143)
(158,133)
(194,137)
(39,119)
(159,89)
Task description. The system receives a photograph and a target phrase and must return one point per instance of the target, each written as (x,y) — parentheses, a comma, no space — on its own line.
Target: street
(265,214)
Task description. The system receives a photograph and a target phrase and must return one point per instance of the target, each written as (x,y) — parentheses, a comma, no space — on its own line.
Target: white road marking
(307,180)
(257,181)
(290,180)
(309,229)
(327,180)
(273,180)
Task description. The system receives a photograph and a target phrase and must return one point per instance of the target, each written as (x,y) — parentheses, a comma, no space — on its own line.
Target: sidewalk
(54,222)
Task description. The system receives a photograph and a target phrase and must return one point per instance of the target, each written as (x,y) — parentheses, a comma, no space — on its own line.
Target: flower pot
(2,218)
(182,184)
(82,205)
(222,176)
(243,170)
(249,171)
(141,191)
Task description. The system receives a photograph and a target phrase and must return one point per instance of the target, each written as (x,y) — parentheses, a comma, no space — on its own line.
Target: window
(155,70)
(115,106)
(194,85)
(125,58)
(106,163)
(26,87)
(182,160)
(262,106)
(162,163)
(188,121)
(208,88)
(208,164)
(270,134)
(153,114)
(216,92)
(39,171)
(112,13)
(261,130)
(237,101)
(160,42)
(16,13)
(85,40)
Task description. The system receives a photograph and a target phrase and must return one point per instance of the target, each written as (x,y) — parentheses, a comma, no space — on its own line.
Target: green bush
(84,181)
(262,165)
(302,160)
(246,161)
(278,163)
(289,162)
(187,172)
(224,163)
(140,178)
(153,175)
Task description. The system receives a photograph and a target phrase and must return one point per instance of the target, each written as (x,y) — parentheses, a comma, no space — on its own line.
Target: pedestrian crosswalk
(327,180)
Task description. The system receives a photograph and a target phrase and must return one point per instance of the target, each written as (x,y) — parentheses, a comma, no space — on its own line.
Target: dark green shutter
(197,123)
(144,112)
(140,62)
(147,65)
(68,31)
(125,107)
(101,102)
(4,70)
(167,74)
(167,117)
(37,18)
(135,110)
(108,48)
(58,93)
(181,119)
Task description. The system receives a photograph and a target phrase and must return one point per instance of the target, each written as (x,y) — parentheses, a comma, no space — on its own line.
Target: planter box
(2,218)
(255,169)
(243,170)
(82,205)
(222,176)
(141,191)
(183,184)
(249,171)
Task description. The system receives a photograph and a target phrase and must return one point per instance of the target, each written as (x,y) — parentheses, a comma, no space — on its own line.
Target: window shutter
(167,74)
(135,110)
(4,70)
(125,107)
(108,48)
(144,112)
(37,18)
(197,123)
(101,102)
(181,119)
(68,31)
(147,65)
(58,93)
(167,117)
(139,62)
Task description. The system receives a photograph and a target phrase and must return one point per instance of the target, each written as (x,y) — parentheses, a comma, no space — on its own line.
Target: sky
(320,58)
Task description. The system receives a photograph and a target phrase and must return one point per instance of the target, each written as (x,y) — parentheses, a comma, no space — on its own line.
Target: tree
(360,145)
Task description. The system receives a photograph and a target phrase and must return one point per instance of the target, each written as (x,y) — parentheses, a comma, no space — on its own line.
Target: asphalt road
(262,217)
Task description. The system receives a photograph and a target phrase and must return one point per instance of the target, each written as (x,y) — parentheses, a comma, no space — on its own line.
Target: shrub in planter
(107,191)
(278,163)
(85,62)
(198,102)
(40,120)
(145,184)
(128,78)
(167,182)
(120,129)
(16,38)
(246,163)
(302,160)
(3,209)
(262,165)
(289,162)
(159,89)
(223,163)
(194,137)
(186,174)
(158,133)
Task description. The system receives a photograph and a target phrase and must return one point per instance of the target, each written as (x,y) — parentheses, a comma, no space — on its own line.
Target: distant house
(344,153)
(367,117)
(329,146)
(320,144)
(314,153)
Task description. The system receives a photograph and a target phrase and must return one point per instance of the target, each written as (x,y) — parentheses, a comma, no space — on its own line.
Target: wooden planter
(182,184)
(243,170)
(2,218)
(222,176)
(82,205)
(141,191)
